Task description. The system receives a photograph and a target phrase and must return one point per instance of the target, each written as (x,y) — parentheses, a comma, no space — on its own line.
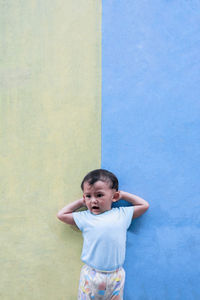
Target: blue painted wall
(151,138)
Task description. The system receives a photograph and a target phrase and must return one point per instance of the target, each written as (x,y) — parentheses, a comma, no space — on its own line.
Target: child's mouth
(95,207)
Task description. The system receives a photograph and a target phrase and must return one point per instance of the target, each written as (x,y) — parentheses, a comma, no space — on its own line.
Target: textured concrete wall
(150,138)
(50,137)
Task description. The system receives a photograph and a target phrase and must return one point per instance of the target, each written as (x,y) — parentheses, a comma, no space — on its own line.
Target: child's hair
(102,175)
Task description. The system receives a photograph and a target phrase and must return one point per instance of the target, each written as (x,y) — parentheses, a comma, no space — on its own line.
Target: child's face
(99,196)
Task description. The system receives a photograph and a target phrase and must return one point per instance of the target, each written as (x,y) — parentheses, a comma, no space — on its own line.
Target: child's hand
(120,195)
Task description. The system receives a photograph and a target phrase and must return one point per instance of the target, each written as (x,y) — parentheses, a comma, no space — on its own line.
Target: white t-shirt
(104,237)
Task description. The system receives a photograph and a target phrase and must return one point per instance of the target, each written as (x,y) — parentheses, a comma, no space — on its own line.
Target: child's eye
(87,196)
(99,195)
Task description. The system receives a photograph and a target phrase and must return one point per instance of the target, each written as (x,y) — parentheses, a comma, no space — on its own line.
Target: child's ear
(116,196)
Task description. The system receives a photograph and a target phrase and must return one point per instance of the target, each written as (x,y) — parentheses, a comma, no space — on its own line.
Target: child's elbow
(59,216)
(147,206)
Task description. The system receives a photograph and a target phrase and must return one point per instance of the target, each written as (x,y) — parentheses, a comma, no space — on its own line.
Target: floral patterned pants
(99,285)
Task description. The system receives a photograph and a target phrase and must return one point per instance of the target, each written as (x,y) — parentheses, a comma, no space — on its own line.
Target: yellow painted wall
(50,114)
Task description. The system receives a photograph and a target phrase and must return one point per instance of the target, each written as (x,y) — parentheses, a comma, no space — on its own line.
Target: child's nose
(93,200)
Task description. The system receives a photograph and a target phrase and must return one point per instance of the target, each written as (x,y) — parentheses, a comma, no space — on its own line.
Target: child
(104,232)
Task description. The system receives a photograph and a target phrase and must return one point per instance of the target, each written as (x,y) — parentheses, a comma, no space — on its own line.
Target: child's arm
(140,205)
(65,214)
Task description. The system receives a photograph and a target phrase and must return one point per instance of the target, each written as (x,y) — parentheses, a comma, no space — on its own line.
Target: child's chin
(96,211)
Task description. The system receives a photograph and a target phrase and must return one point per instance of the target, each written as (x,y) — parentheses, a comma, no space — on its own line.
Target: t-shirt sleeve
(80,218)
(127,212)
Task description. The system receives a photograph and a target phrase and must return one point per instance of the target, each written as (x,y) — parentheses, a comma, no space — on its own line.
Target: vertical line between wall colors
(101,85)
